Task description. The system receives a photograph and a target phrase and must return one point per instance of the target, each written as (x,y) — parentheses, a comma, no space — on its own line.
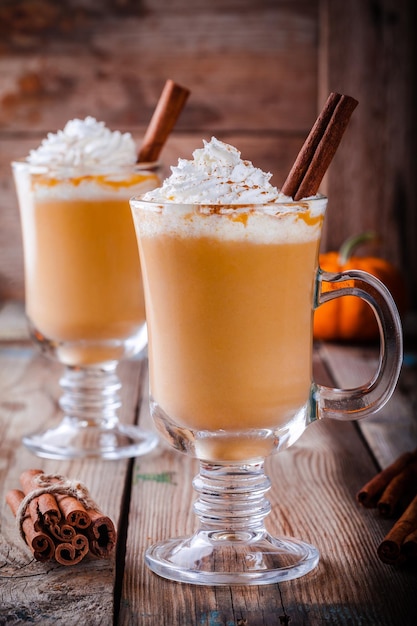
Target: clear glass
(230,294)
(84,299)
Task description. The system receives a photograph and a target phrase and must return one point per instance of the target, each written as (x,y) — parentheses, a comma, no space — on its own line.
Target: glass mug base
(73,439)
(226,558)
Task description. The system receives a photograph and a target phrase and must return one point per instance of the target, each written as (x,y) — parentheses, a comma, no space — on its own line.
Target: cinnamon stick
(64,526)
(74,512)
(370,493)
(101,534)
(44,509)
(320,147)
(71,553)
(400,490)
(167,111)
(41,545)
(390,549)
(61,531)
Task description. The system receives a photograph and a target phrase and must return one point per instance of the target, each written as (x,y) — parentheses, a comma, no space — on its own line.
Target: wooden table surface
(313,497)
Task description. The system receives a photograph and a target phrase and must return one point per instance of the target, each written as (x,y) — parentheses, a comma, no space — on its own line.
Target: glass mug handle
(355,403)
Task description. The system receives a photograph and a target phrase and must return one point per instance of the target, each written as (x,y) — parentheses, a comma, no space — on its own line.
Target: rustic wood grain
(235,60)
(369,51)
(47,593)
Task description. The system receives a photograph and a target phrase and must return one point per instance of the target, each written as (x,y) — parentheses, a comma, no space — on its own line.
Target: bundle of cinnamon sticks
(55,523)
(393,491)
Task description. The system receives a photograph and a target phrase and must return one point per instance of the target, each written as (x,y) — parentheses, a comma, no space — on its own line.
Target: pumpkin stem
(349,246)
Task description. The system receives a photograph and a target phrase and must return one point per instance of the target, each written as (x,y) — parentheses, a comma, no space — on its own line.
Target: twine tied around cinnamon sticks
(393,491)
(58,519)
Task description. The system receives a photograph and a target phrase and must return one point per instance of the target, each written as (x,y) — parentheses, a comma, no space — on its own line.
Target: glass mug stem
(351,404)
(235,547)
(90,427)
(91,394)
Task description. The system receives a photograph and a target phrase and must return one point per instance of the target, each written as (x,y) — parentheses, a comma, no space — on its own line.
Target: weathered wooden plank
(368,51)
(236,63)
(48,593)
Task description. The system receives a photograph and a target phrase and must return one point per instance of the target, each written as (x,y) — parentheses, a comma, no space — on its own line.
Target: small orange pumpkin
(349,317)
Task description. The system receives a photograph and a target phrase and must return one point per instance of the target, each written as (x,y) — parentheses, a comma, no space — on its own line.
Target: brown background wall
(258,71)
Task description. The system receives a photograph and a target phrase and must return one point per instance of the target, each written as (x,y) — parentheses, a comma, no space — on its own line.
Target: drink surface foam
(273,223)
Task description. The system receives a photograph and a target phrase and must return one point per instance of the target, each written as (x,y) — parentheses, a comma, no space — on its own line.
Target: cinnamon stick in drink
(373,489)
(320,147)
(41,544)
(167,111)
(390,550)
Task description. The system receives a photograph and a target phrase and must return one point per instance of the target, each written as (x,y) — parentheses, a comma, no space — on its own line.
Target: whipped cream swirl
(85,144)
(216,175)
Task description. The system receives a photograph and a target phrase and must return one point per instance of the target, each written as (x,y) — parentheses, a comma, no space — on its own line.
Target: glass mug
(230,293)
(83,298)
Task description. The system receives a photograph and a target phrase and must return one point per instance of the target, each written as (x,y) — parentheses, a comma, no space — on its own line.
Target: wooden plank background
(258,73)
